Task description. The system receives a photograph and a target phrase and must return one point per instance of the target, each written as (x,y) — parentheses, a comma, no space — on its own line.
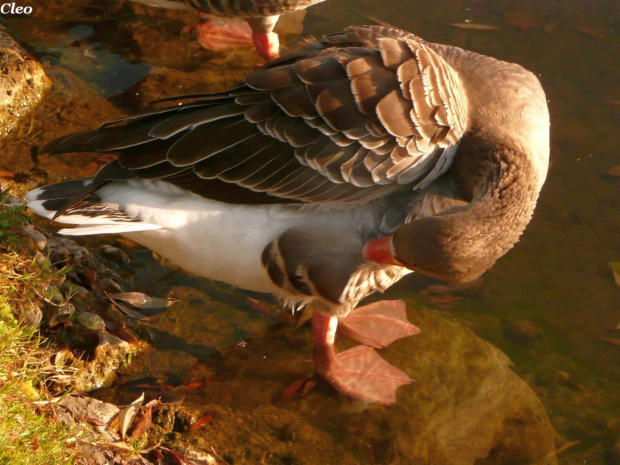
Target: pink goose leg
(358,372)
(218,34)
(215,33)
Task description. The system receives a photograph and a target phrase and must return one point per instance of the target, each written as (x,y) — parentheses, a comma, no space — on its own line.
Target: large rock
(465,407)
(22,82)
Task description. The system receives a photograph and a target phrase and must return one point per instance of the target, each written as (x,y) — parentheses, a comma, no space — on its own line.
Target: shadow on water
(548,304)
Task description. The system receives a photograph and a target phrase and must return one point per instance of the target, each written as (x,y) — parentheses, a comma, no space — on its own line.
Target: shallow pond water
(549,305)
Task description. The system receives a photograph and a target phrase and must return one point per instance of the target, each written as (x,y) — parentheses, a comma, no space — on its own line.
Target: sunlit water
(548,304)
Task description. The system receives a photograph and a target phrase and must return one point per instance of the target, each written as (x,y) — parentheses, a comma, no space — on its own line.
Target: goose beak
(380,251)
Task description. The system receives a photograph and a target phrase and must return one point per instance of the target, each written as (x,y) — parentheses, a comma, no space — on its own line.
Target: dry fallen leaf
(562,447)
(117,445)
(202,421)
(615,269)
(262,306)
(142,300)
(193,385)
(615,171)
(143,425)
(477,26)
(611,340)
(292,389)
(308,387)
(126,415)
(444,299)
(589,31)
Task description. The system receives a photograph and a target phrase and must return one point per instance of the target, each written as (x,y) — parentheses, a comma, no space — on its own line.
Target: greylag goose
(325,176)
(261,15)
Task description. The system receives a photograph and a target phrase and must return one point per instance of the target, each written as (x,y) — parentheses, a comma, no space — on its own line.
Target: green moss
(29,433)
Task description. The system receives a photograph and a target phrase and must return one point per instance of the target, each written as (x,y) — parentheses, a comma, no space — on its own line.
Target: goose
(220,33)
(325,176)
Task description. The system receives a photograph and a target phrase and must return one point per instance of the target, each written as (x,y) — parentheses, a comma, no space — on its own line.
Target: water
(546,304)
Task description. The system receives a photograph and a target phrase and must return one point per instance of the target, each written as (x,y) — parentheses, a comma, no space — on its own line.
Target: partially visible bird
(219,33)
(325,176)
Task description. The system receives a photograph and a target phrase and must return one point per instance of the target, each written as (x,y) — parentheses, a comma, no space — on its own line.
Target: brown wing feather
(363,113)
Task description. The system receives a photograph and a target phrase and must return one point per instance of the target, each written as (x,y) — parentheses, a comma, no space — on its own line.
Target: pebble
(109,286)
(33,314)
(113,253)
(90,321)
(61,314)
(40,259)
(54,294)
(37,238)
(520,331)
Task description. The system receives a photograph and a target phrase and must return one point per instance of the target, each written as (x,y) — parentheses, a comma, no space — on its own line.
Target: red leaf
(193,385)
(202,421)
(262,306)
(308,387)
(156,387)
(7,174)
(291,390)
(589,31)
(144,424)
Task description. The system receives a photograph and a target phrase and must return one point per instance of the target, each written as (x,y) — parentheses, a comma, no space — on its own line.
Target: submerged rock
(90,321)
(58,314)
(109,355)
(466,406)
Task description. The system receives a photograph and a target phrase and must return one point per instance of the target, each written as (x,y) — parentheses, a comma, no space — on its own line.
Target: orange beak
(380,251)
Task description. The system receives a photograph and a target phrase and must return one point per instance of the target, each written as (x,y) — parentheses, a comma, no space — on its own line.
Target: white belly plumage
(212,239)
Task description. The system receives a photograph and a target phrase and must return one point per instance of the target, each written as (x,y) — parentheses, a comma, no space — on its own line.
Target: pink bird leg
(358,372)
(217,34)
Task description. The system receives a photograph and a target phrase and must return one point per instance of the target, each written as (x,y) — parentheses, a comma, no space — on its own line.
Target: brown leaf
(444,299)
(130,311)
(7,174)
(141,300)
(477,26)
(202,421)
(95,421)
(610,340)
(308,387)
(126,415)
(562,447)
(120,332)
(615,270)
(589,31)
(117,445)
(615,171)
(176,457)
(262,306)
(193,385)
(292,389)
(217,456)
(143,425)
(154,387)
